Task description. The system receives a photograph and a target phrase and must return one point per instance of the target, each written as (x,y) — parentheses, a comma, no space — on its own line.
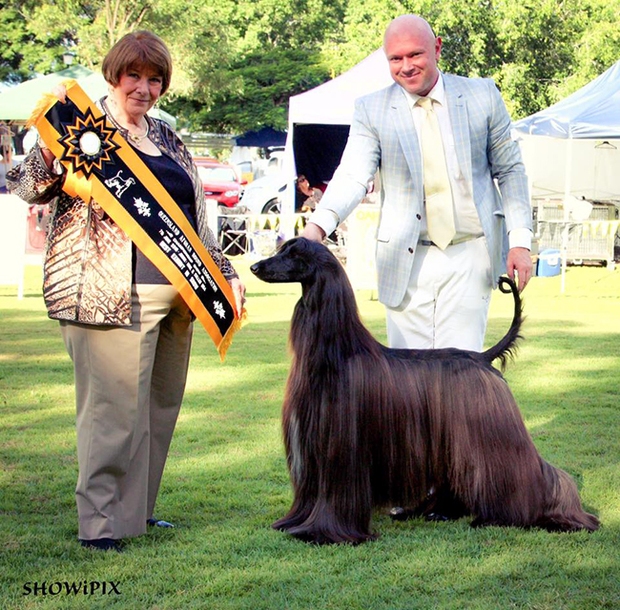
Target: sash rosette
(102,165)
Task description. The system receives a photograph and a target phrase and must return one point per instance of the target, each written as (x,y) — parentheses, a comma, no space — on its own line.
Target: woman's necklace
(135,138)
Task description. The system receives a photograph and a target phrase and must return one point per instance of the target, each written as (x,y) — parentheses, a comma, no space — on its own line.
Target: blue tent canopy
(591,112)
(264,138)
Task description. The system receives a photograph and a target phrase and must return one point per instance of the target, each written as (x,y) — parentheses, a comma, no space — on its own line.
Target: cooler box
(549,263)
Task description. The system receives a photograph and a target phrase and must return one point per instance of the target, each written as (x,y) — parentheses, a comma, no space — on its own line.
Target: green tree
(236,62)
(596,50)
(270,51)
(37,33)
(15,41)
(537,40)
(360,33)
(25,47)
(265,80)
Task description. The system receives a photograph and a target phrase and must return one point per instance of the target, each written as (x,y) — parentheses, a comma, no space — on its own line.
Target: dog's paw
(314,535)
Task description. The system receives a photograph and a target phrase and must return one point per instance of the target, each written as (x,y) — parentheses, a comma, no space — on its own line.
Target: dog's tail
(506,348)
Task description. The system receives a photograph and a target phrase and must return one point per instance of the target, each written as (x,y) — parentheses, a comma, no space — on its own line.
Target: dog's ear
(287,245)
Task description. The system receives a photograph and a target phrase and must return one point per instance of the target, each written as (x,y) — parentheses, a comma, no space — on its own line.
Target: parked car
(220,181)
(264,195)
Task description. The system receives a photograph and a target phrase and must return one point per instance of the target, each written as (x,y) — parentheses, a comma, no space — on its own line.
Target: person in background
(127,330)
(436,263)
(6,154)
(306,197)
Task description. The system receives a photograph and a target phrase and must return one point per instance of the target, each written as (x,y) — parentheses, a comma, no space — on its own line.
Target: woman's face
(304,185)
(137,91)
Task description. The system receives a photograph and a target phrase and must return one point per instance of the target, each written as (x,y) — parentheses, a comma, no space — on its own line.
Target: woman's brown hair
(141,49)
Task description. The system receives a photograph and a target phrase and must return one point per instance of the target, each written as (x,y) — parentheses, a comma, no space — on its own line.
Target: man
(436,288)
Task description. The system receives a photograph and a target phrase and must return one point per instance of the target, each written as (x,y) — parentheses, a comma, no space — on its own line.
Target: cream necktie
(437,190)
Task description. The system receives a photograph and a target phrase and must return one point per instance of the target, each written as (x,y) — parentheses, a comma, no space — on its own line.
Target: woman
(126,328)
(306,196)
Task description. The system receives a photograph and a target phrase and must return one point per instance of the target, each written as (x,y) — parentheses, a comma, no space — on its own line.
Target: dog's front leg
(304,482)
(342,509)
(328,463)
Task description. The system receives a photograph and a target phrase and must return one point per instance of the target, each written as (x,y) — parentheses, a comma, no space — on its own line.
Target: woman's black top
(178,184)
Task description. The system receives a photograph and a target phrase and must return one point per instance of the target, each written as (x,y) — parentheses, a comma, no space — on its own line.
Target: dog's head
(296,261)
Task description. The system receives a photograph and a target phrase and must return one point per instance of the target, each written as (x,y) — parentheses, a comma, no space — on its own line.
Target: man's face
(412,55)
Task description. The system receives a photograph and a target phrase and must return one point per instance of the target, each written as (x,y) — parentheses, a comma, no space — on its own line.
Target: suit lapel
(457,108)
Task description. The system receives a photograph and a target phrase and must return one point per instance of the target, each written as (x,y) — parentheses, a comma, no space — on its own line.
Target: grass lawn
(226,479)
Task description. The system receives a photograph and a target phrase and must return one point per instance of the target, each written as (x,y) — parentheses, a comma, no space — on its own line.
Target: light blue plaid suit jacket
(382,136)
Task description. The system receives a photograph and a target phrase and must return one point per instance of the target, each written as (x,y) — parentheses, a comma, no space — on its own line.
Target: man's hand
(519,261)
(313,232)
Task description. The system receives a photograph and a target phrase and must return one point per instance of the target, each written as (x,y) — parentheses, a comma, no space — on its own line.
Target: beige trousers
(129,384)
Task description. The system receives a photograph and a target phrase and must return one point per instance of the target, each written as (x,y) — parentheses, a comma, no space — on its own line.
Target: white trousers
(447,301)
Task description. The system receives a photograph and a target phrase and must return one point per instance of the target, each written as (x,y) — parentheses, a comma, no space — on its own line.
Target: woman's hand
(59,91)
(238,289)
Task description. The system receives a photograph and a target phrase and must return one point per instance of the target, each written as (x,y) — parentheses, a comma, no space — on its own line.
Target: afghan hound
(366,426)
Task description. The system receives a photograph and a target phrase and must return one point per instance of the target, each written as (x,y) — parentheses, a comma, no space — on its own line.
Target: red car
(219,180)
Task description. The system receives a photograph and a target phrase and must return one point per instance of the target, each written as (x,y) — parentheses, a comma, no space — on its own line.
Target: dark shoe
(102,544)
(402,514)
(158,523)
(437,517)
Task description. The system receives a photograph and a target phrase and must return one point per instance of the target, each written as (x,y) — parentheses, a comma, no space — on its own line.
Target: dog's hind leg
(494,466)
(501,475)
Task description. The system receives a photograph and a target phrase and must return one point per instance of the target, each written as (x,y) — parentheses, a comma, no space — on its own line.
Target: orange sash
(102,165)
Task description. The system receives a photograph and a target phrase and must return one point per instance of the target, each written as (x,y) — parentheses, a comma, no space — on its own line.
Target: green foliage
(538,42)
(289,24)
(238,61)
(260,85)
(597,49)
(271,52)
(361,33)
(40,32)
(14,42)
(226,479)
(26,44)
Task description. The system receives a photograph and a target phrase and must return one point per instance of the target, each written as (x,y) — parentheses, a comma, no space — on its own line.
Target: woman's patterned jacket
(88,264)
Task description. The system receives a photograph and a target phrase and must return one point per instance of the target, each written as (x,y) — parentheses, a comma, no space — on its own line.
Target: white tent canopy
(319,119)
(572,153)
(332,102)
(573,147)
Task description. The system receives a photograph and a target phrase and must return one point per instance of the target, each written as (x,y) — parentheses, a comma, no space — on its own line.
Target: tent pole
(567,190)
(287,204)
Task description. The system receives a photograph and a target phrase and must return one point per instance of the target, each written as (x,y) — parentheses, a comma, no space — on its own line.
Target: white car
(264,195)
